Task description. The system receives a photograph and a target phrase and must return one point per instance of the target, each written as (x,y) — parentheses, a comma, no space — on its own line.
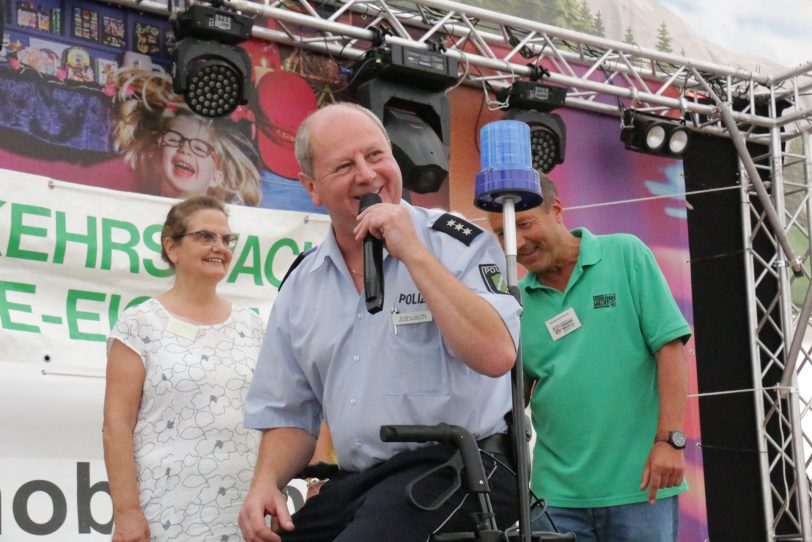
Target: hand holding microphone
(373,261)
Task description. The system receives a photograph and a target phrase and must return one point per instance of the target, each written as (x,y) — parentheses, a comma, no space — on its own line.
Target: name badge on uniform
(563,324)
(408,318)
(181,328)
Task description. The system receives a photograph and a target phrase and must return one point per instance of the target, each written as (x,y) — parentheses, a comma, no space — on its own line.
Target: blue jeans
(638,522)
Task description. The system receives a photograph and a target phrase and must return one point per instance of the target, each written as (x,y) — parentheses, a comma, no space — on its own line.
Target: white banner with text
(72,257)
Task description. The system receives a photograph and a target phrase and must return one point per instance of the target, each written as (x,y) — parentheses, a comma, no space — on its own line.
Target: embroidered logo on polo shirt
(458,228)
(493,279)
(604,301)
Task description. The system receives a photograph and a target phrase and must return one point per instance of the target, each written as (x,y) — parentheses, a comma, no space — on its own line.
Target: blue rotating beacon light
(506,168)
(506,184)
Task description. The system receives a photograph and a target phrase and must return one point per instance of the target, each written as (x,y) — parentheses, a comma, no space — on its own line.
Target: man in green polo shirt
(602,341)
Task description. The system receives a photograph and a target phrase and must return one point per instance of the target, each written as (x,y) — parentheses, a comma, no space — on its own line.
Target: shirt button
(360,315)
(353,401)
(356,358)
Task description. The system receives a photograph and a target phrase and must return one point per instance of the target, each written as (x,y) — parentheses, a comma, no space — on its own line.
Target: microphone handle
(373,273)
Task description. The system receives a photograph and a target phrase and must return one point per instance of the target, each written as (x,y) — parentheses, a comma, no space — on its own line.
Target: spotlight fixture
(418,150)
(213,74)
(654,134)
(416,115)
(531,103)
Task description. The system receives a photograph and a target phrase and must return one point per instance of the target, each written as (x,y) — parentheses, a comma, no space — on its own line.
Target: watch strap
(661,436)
(666,436)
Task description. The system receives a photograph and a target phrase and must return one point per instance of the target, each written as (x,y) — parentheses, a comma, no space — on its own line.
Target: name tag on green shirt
(563,324)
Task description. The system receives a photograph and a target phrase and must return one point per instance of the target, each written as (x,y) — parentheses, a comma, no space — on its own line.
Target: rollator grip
(474,480)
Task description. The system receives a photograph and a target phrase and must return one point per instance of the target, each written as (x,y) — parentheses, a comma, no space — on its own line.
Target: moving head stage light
(415,114)
(654,134)
(213,75)
(531,103)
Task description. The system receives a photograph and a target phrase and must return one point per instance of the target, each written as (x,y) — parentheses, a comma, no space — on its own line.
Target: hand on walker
(257,505)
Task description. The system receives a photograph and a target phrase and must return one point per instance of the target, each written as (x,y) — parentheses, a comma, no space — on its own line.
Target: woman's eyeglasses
(209,238)
(171,138)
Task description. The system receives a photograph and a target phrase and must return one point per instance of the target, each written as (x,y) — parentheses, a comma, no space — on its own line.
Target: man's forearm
(283,453)
(672,385)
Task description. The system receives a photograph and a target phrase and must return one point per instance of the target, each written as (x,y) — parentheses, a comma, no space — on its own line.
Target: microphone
(373,261)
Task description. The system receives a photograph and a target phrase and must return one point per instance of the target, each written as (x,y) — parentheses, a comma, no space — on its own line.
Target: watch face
(678,439)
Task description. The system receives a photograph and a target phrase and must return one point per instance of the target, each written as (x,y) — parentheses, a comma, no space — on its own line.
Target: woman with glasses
(176,153)
(179,460)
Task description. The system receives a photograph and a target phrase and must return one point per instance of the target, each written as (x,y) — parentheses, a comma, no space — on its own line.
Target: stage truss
(494,49)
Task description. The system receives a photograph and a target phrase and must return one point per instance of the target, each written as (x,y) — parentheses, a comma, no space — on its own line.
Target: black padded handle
(474,480)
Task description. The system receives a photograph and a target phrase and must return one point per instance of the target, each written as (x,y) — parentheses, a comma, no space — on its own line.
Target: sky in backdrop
(779,30)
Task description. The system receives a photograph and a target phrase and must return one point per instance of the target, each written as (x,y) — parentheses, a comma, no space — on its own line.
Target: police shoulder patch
(493,279)
(458,228)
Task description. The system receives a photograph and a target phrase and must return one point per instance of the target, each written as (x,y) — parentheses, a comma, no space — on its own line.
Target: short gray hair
(548,191)
(302,150)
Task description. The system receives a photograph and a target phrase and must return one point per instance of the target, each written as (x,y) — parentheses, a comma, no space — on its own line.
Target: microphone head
(368,200)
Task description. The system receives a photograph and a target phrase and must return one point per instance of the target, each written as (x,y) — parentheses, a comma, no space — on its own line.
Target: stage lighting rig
(654,134)
(212,73)
(416,114)
(531,102)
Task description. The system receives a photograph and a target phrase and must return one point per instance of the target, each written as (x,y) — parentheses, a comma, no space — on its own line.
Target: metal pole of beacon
(508,183)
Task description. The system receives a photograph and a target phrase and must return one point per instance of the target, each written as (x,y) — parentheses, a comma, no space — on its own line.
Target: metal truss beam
(590,68)
(779,322)
(501,47)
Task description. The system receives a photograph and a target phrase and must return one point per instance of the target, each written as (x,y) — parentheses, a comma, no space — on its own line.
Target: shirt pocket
(418,364)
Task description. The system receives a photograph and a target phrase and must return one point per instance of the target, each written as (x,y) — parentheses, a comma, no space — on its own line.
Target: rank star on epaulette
(458,228)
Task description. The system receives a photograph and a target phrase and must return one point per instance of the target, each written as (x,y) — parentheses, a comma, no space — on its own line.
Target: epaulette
(295,264)
(458,228)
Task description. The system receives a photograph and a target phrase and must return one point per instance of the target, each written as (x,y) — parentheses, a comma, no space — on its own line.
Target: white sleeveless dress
(193,456)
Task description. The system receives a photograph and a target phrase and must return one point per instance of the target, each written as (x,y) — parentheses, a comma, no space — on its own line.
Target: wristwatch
(674,438)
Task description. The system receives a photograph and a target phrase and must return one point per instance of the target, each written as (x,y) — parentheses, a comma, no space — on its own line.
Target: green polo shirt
(595,406)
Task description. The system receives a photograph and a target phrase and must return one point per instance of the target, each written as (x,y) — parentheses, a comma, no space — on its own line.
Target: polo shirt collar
(589,253)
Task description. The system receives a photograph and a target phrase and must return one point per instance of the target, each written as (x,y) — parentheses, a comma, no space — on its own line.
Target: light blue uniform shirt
(324,353)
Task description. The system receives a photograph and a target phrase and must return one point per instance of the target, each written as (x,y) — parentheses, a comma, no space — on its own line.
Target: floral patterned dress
(193,456)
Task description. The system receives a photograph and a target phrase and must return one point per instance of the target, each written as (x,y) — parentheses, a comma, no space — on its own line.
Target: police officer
(439,351)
